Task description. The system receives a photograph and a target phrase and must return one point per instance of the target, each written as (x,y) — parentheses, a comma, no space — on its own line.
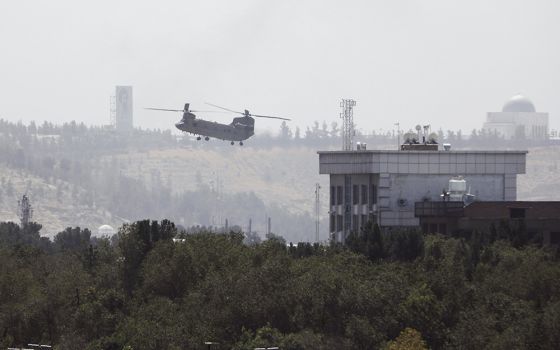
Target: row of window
(359,194)
(358,221)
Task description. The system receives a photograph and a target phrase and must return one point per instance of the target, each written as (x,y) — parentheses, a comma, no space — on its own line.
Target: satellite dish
(418,127)
(409,137)
(433,138)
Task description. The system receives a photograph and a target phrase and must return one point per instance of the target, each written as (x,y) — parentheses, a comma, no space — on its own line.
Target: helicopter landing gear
(198,138)
(232,143)
(207,138)
(240,143)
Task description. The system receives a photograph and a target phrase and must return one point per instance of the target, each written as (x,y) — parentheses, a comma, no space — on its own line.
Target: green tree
(409,339)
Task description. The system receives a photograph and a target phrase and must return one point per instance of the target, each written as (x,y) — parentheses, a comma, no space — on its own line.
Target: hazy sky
(442,62)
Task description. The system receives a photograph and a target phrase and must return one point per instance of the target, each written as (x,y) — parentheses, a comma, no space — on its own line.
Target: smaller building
(453,216)
(518,120)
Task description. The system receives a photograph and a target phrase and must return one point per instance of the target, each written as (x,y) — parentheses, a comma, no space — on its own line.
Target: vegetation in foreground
(141,290)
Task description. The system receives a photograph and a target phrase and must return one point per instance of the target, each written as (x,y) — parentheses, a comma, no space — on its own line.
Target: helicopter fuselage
(240,128)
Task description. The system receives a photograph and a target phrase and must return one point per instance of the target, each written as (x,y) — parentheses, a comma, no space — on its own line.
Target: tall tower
(123,108)
(25,211)
(347,116)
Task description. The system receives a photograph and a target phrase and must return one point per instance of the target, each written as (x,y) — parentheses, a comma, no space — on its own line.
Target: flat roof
(462,162)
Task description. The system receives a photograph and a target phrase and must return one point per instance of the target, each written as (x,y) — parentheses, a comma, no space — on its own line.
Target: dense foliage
(400,290)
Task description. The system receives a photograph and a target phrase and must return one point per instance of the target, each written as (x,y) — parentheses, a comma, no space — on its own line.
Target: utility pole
(317,210)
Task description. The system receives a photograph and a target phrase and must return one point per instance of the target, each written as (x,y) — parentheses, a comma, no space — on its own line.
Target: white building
(383,186)
(518,119)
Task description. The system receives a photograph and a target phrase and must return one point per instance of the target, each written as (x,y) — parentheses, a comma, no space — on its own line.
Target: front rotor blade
(227,109)
(268,116)
(197,111)
(163,109)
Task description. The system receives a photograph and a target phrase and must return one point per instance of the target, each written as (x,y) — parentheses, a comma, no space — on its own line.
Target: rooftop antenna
(398,125)
(347,116)
(418,128)
(426,131)
(25,211)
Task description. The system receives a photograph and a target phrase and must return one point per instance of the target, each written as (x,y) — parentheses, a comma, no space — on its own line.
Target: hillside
(54,204)
(282,176)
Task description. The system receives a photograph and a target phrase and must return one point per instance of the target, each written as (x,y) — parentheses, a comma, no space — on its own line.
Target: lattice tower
(347,116)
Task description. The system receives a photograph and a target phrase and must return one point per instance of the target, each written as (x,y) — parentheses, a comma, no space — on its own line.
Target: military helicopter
(241,128)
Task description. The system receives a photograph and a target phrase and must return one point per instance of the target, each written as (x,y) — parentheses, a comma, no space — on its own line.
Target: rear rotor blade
(268,116)
(227,109)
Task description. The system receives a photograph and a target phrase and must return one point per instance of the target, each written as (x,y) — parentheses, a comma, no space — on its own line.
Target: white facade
(383,186)
(518,119)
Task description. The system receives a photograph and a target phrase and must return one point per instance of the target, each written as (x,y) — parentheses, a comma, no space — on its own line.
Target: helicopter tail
(186,107)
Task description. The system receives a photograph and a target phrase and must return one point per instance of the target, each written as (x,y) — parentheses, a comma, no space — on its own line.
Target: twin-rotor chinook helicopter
(241,128)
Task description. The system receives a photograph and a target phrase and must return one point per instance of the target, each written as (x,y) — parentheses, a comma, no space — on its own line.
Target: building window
(339,222)
(364,194)
(373,195)
(355,194)
(555,238)
(338,195)
(355,223)
(332,223)
(333,194)
(517,213)
(364,220)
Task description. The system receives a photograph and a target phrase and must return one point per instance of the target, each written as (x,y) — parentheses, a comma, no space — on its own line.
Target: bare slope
(284,176)
(55,204)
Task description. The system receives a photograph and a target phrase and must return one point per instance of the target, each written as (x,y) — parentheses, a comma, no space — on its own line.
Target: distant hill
(54,204)
(283,176)
(86,176)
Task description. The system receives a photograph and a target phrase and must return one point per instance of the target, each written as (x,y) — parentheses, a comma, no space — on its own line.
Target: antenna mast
(25,211)
(347,116)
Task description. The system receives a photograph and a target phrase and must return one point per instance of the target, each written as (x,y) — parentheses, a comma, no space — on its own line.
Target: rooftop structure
(383,185)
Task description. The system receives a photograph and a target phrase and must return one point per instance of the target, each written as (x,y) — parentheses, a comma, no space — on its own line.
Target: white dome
(519,103)
(106,230)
